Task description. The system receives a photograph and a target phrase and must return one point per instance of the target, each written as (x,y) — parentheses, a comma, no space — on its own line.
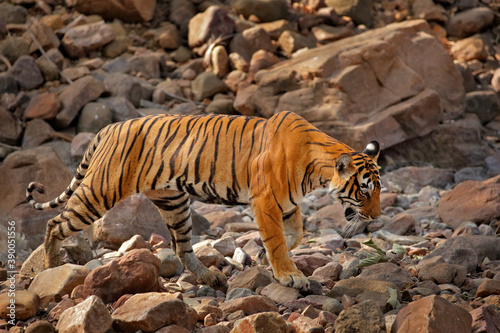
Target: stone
(291,41)
(135,272)
(23,302)
(116,47)
(58,281)
(354,286)
(91,315)
(432,314)
(62,306)
(333,305)
(358,10)
(470,173)
(243,101)
(362,60)
(93,117)
(49,70)
(135,215)
(74,73)
(8,84)
(467,49)
(398,180)
(302,323)
(387,272)
(332,241)
(401,224)
(82,39)
(485,319)
(220,61)
(145,64)
(167,36)
(264,10)
(363,317)
(80,143)
(250,41)
(77,95)
(214,21)
(249,305)
(209,256)
(170,265)
(469,22)
(261,60)
(10,127)
(121,108)
(44,106)
(40,326)
(26,73)
(220,106)
(482,203)
(136,242)
(329,271)
(325,34)
(76,250)
(488,287)
(428,10)
(443,273)
(279,293)
(225,246)
(308,263)
(124,85)
(251,278)
(13,14)
(151,311)
(484,104)
(125,10)
(235,293)
(206,85)
(271,322)
(44,35)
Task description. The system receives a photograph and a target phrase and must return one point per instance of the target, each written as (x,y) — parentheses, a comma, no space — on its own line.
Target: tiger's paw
(212,278)
(295,279)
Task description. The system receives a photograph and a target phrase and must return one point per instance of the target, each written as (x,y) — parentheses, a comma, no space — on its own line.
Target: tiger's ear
(344,166)
(372,150)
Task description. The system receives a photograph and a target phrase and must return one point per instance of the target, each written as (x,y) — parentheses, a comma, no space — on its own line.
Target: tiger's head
(356,183)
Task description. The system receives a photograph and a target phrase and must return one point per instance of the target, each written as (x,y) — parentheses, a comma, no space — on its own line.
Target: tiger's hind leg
(292,227)
(78,214)
(175,211)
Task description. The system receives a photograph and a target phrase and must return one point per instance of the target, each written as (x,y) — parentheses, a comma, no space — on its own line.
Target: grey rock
(94,117)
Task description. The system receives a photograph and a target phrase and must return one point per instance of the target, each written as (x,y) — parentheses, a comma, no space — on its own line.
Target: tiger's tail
(75,182)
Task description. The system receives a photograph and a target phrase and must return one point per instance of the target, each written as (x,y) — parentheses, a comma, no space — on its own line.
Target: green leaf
(486,260)
(371,259)
(372,244)
(396,248)
(393,298)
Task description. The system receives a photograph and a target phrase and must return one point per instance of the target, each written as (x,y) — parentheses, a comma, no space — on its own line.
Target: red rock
(40,326)
(401,224)
(44,106)
(125,10)
(151,311)
(476,201)
(269,322)
(443,273)
(136,242)
(250,41)
(279,293)
(62,306)
(488,287)
(303,324)
(363,317)
(485,320)
(74,97)
(251,279)
(26,73)
(249,305)
(432,314)
(90,315)
(308,263)
(80,40)
(58,281)
(387,272)
(80,143)
(469,22)
(291,41)
(25,304)
(136,272)
(354,286)
(212,22)
(10,129)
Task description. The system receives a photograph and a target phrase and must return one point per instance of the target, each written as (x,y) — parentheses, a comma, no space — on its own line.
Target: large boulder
(20,168)
(125,10)
(376,85)
(471,201)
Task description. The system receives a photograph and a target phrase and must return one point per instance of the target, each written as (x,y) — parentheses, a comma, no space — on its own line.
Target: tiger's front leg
(269,219)
(175,211)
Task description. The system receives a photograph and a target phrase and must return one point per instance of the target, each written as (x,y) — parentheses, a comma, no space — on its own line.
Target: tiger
(270,164)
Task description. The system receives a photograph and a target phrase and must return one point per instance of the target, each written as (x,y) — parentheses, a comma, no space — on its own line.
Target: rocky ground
(419,76)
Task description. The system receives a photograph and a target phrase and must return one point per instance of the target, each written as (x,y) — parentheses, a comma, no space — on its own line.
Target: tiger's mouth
(349,214)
